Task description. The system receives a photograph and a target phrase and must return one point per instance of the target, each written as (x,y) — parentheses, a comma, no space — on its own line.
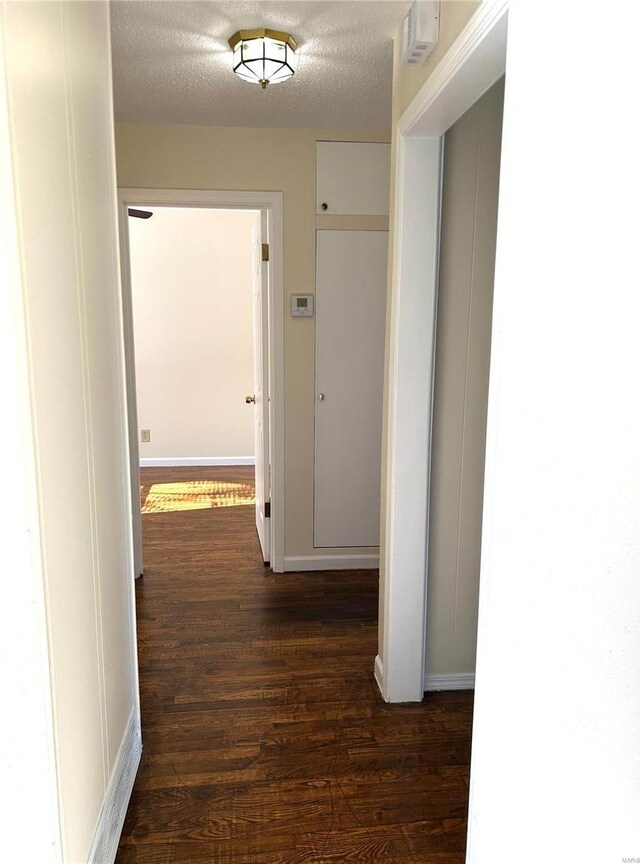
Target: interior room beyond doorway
(191,279)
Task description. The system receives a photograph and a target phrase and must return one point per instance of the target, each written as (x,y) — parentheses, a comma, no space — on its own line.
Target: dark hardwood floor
(265,739)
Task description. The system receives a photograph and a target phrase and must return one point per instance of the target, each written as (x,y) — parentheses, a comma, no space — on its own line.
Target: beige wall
(463,343)
(58,73)
(191,275)
(205,157)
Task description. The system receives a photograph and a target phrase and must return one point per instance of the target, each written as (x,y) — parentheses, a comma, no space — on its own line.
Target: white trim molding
(473,63)
(114,808)
(303,563)
(411,365)
(378,673)
(457,681)
(471,66)
(272,204)
(195,461)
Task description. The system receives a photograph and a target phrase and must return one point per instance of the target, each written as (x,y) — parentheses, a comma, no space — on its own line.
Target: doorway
(475,62)
(262,213)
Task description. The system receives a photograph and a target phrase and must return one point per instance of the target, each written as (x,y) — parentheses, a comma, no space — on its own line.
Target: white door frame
(469,68)
(272,204)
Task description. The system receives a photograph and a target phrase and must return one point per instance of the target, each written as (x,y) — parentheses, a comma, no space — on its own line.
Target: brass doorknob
(320,397)
(249,399)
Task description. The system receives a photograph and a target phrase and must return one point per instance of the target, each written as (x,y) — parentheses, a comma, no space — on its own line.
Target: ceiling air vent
(420,31)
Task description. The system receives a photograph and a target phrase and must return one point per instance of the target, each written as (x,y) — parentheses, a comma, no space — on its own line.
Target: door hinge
(267,509)
(265,251)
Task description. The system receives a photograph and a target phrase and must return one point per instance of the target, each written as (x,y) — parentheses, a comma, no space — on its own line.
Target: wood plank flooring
(265,739)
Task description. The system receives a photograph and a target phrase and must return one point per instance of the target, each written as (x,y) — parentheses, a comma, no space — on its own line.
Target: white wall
(556,743)
(191,273)
(463,341)
(72,527)
(27,752)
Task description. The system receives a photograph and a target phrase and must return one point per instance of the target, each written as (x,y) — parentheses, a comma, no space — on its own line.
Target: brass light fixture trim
(263,56)
(261,32)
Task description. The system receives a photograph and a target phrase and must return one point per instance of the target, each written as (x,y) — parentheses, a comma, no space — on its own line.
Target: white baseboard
(464,681)
(196,461)
(116,801)
(461,681)
(303,563)
(378,674)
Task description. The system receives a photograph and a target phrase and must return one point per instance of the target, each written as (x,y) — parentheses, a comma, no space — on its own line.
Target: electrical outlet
(145,436)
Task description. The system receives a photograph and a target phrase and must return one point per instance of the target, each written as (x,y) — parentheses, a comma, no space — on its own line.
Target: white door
(260,393)
(352,178)
(351,282)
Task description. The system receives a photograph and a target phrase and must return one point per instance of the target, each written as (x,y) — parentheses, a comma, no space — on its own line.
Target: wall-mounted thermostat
(302,305)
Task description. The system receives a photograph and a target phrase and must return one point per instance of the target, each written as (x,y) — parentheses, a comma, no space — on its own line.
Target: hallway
(265,739)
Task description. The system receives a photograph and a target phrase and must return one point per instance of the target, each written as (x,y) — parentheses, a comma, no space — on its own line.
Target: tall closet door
(350,321)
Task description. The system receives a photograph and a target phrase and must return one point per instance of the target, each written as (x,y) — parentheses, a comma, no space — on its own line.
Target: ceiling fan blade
(140,214)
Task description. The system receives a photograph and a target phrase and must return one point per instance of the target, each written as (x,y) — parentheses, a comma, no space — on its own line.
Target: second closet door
(350,320)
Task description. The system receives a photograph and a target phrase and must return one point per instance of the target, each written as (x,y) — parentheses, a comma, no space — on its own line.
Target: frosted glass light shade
(263,56)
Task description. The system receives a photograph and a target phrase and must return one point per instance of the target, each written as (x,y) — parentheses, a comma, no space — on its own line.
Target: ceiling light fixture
(263,56)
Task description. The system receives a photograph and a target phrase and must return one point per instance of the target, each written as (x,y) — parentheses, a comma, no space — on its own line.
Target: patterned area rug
(196,495)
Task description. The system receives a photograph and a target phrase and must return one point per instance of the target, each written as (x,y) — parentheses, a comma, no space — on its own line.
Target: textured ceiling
(172,63)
